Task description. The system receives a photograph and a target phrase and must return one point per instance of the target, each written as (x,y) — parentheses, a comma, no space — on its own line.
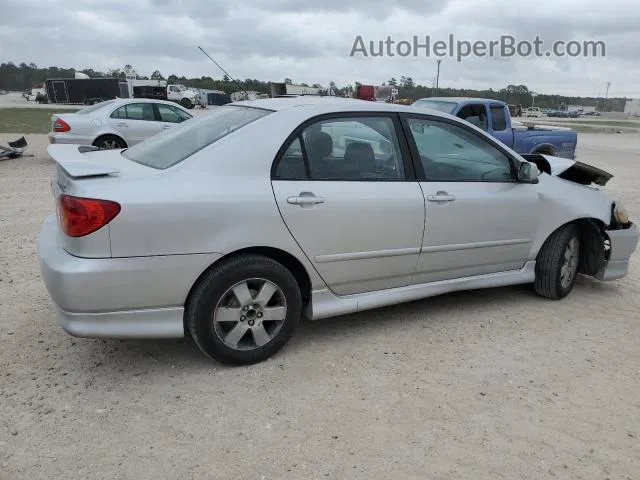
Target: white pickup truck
(185,96)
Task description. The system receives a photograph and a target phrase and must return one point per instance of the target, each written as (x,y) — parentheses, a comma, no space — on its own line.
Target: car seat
(362,155)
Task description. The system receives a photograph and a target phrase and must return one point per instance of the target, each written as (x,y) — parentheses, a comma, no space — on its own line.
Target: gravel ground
(491,384)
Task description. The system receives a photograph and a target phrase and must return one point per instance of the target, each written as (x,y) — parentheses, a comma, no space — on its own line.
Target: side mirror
(528,173)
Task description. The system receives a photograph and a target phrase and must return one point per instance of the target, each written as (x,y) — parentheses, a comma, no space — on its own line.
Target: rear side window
(172,146)
(498,118)
(135,111)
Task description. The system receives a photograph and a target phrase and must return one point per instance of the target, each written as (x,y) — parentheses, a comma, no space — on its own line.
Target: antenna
(236,82)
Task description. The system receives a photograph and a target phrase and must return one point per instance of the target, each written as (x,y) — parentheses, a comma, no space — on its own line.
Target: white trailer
(632,106)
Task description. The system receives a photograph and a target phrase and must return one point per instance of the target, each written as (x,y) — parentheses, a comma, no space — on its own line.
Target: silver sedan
(234,226)
(116,124)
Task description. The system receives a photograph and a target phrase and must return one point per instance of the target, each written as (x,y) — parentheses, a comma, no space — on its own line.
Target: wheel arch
(593,254)
(109,134)
(286,259)
(544,149)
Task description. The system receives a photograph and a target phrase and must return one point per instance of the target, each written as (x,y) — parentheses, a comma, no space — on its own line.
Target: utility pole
(438,77)
(606,95)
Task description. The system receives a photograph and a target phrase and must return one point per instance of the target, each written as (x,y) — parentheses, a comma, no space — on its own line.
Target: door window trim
(415,155)
(407,162)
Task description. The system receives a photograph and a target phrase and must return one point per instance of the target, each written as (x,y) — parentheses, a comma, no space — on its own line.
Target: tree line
(25,76)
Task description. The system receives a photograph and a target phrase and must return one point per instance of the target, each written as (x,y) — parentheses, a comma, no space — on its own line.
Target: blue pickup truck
(493,117)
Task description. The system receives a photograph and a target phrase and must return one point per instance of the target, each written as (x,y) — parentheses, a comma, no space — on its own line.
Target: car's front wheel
(244,310)
(557,263)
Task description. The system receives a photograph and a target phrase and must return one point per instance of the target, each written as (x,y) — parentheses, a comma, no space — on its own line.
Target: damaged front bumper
(622,244)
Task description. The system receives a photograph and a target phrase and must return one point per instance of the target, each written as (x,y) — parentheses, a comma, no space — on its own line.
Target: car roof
(461,99)
(121,101)
(331,104)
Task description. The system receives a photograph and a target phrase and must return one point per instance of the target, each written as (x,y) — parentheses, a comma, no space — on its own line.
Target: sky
(313,42)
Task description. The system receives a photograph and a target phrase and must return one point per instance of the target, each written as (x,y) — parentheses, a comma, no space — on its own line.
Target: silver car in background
(234,226)
(117,123)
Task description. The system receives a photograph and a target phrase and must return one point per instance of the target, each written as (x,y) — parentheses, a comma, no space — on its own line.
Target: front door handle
(164,127)
(441,197)
(305,198)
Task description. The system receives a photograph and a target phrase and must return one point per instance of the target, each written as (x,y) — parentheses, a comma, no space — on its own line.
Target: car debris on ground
(14,149)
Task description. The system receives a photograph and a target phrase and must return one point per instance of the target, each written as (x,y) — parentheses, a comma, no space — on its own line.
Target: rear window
(95,106)
(498,118)
(172,146)
(446,107)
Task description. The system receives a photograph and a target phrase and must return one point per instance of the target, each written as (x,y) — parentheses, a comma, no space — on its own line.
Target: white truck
(185,96)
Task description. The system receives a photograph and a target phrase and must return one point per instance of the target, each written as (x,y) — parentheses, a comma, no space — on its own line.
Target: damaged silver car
(233,227)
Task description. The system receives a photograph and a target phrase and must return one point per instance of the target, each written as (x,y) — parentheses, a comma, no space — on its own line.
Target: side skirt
(326,304)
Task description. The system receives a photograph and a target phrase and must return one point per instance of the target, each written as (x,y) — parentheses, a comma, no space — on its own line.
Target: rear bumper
(623,245)
(66,138)
(140,297)
(128,324)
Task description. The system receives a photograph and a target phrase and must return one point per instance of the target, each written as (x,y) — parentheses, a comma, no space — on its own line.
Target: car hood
(568,169)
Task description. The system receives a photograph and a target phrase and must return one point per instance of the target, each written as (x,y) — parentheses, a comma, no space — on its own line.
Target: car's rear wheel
(244,310)
(109,142)
(186,103)
(557,263)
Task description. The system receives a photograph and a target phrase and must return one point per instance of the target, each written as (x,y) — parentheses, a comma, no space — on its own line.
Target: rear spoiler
(73,160)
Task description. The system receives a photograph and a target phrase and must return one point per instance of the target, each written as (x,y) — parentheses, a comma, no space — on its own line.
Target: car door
(135,122)
(170,115)
(478,219)
(348,194)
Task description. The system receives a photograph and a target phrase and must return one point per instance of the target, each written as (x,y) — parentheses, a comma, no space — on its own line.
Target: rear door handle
(121,125)
(305,198)
(164,127)
(441,197)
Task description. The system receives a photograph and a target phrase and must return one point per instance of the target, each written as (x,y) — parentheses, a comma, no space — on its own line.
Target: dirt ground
(490,384)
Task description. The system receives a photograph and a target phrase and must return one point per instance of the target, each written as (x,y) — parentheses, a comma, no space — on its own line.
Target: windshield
(94,107)
(446,107)
(172,146)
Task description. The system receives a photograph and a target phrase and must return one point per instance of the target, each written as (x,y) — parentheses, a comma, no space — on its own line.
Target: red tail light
(81,216)
(60,126)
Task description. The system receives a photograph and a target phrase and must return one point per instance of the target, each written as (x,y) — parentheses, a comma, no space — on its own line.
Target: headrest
(320,145)
(361,154)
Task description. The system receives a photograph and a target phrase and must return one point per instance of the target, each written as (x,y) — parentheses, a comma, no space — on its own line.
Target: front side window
(349,148)
(172,146)
(451,153)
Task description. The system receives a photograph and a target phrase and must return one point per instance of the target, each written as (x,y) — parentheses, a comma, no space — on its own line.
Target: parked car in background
(563,114)
(116,123)
(532,112)
(235,225)
(493,117)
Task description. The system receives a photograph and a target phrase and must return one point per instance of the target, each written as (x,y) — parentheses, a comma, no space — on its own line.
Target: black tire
(214,287)
(114,140)
(186,103)
(549,263)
